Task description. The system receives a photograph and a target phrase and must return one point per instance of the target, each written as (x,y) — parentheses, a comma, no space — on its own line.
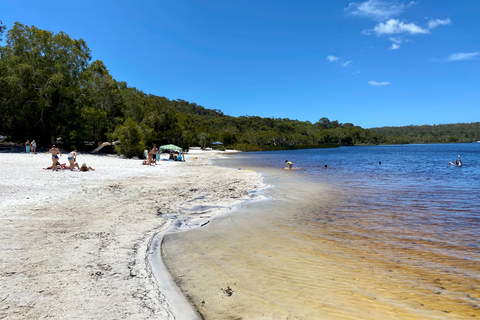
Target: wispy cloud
(377,9)
(463,56)
(332,58)
(345,64)
(432,24)
(378,84)
(395,26)
(396,42)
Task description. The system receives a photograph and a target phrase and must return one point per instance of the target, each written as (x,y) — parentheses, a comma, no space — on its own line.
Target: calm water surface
(353,240)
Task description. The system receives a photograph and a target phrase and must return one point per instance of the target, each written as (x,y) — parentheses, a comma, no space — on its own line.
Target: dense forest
(52,92)
(443,133)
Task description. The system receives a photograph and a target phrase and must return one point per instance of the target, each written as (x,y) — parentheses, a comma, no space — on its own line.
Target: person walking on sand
(288,164)
(72,157)
(55,155)
(27,146)
(33,147)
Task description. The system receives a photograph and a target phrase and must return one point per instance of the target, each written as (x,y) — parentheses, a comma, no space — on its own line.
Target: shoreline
(77,244)
(181,307)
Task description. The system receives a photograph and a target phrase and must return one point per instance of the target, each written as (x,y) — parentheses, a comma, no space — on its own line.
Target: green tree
(100,105)
(131,139)
(324,123)
(2,29)
(39,83)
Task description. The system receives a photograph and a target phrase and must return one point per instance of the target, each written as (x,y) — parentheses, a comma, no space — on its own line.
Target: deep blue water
(413,192)
(417,174)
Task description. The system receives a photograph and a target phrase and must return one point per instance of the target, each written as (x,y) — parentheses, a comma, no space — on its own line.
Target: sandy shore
(77,245)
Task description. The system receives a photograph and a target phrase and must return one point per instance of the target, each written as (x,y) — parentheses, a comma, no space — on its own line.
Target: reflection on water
(352,241)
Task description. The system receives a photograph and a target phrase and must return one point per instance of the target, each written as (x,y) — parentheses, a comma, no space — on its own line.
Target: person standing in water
(27,146)
(288,164)
(55,155)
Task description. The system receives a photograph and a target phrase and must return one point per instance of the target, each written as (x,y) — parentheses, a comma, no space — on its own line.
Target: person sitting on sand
(288,164)
(148,162)
(149,158)
(84,167)
(55,155)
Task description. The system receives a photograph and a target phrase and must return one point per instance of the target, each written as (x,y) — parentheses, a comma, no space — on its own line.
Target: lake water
(353,240)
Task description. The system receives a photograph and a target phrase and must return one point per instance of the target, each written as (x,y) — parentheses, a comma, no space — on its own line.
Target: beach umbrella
(216,143)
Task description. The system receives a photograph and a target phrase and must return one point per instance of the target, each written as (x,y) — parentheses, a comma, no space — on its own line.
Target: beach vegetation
(50,88)
(131,139)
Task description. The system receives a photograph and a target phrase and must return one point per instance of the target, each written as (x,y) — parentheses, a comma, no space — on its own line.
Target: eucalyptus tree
(2,29)
(39,83)
(102,102)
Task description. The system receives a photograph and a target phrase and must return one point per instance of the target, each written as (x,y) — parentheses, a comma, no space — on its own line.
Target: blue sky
(372,63)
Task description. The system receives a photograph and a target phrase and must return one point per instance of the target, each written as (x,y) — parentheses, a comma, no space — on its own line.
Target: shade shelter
(171,148)
(217,144)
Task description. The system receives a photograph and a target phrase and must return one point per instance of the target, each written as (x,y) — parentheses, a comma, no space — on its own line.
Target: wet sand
(76,245)
(312,252)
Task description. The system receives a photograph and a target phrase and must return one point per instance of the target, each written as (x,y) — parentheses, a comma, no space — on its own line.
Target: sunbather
(84,167)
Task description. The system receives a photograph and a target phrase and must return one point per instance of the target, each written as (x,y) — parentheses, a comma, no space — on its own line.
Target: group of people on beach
(31,147)
(153,155)
(72,157)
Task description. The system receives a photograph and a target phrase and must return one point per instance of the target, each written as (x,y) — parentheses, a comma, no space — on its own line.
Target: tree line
(442,133)
(52,92)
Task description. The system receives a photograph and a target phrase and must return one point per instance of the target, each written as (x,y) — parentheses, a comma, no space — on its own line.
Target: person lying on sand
(58,166)
(84,167)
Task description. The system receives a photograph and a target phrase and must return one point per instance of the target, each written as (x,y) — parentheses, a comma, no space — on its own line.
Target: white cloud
(463,56)
(395,40)
(432,24)
(345,64)
(377,9)
(394,26)
(332,58)
(378,84)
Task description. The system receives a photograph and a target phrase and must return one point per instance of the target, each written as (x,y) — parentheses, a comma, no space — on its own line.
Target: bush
(131,139)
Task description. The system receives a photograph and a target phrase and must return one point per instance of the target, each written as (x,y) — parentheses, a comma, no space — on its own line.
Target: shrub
(131,139)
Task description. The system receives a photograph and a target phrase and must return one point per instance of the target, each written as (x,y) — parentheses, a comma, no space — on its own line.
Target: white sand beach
(76,245)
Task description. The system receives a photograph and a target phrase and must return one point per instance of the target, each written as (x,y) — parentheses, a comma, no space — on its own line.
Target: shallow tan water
(320,252)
